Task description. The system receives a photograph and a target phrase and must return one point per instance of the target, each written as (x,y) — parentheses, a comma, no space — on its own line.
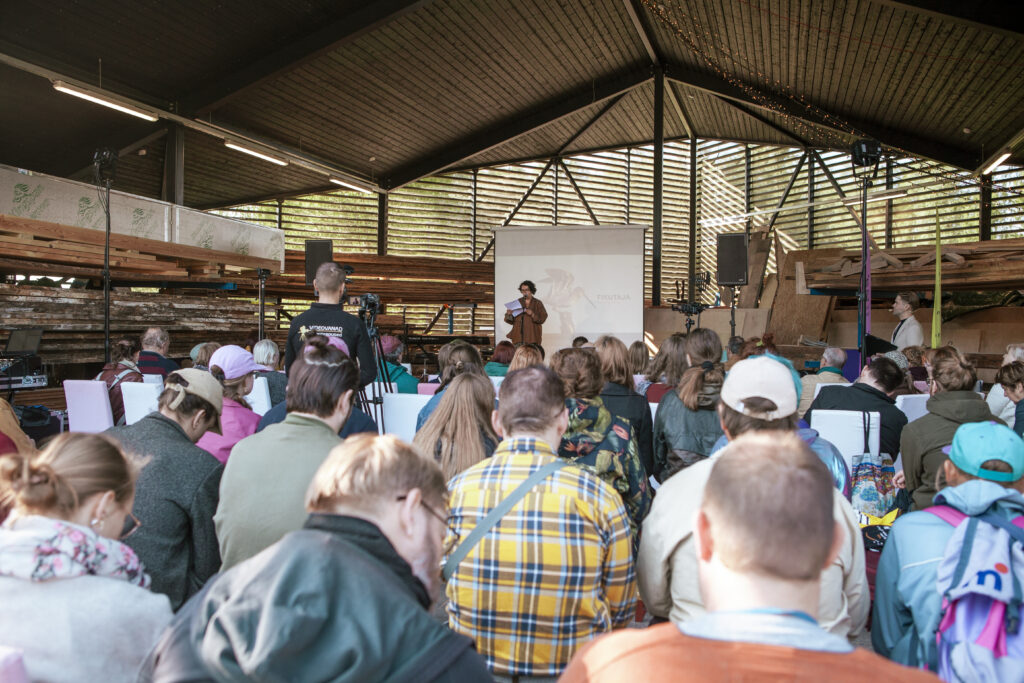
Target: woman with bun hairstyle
(73,597)
(235,368)
(686,425)
(120,369)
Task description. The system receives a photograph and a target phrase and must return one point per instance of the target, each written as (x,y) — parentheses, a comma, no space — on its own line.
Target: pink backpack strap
(949,515)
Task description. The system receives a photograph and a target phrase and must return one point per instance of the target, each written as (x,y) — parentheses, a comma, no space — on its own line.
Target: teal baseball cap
(976,443)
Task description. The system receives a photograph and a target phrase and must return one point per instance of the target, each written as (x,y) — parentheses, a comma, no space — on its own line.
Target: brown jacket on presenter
(526,329)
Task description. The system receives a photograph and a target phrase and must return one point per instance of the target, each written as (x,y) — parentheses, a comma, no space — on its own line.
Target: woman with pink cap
(235,369)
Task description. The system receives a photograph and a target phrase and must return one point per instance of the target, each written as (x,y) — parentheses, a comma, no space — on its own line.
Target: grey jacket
(175,498)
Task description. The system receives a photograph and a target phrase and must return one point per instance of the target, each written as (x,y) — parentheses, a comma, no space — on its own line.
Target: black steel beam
(518,124)
(888,203)
(658,136)
(382,224)
(985,209)
(785,193)
(910,142)
(810,200)
(764,120)
(691,267)
(990,15)
(579,193)
(519,205)
(369,16)
(746,186)
(173,189)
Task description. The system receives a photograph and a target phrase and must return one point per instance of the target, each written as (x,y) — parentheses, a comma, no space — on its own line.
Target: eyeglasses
(132,520)
(447,520)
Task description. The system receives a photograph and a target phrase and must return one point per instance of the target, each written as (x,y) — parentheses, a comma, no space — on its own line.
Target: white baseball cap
(760,377)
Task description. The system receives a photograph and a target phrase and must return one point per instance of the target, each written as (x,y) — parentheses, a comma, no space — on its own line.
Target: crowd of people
(552,527)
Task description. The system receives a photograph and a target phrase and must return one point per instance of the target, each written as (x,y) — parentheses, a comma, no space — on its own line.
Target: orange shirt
(662,654)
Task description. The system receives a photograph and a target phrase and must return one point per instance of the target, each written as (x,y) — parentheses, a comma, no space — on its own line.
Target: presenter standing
(908,332)
(526,326)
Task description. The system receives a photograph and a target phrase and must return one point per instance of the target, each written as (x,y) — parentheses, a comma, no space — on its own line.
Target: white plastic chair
(259,398)
(654,409)
(140,399)
(913,405)
(88,405)
(153,379)
(820,385)
(496,381)
(844,429)
(400,412)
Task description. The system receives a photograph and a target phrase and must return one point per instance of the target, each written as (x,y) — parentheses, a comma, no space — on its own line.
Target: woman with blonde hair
(686,425)
(953,402)
(525,356)
(74,597)
(998,402)
(459,433)
(621,398)
(455,358)
(669,363)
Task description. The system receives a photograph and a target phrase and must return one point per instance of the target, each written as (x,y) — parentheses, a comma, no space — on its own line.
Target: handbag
(873,491)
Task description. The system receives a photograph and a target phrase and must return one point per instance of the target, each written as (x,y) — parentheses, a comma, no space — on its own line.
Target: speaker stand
(732,305)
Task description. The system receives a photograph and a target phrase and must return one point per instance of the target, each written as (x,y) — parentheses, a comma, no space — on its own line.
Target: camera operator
(327,317)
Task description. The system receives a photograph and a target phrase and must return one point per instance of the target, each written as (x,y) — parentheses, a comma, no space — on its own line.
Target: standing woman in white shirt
(908,331)
(73,598)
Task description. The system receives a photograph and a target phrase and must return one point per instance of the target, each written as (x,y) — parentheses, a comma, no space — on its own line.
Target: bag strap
(948,514)
(496,513)
(1013,528)
(866,421)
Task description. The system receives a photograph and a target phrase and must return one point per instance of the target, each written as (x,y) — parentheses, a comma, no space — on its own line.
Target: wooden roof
(391,91)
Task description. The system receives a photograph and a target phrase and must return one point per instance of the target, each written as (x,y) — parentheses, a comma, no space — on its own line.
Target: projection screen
(589,278)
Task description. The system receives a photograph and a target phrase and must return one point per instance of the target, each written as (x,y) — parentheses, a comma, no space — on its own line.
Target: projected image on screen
(589,278)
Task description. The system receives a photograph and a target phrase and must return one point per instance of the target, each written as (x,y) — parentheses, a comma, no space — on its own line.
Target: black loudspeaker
(318,252)
(732,259)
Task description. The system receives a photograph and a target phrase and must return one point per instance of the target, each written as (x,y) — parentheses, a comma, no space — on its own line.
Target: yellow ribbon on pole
(937,305)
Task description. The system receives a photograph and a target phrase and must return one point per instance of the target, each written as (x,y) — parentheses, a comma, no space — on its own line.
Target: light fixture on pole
(996,163)
(864,156)
(106,101)
(252,152)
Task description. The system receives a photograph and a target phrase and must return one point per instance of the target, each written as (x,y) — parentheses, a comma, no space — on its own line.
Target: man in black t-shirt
(327,317)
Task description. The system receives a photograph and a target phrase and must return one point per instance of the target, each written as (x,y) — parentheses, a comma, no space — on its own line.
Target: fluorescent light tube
(995,164)
(260,155)
(339,181)
(63,87)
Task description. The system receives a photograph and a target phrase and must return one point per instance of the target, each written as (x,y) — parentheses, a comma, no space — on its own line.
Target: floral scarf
(39,548)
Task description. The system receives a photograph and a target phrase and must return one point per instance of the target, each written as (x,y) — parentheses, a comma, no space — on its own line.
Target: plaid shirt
(554,573)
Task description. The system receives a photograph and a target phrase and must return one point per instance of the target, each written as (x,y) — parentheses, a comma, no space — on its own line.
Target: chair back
(89,405)
(153,379)
(844,429)
(427,388)
(820,385)
(400,413)
(140,399)
(496,381)
(12,665)
(654,410)
(913,405)
(259,398)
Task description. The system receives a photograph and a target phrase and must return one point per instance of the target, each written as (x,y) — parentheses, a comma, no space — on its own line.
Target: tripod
(373,405)
(732,305)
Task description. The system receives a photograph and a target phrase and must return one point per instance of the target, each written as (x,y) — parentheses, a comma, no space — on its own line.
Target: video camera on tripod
(701,282)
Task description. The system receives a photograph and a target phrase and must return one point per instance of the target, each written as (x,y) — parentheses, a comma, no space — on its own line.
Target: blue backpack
(980,579)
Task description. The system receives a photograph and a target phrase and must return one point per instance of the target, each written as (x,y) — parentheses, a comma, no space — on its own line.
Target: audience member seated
(906,385)
(345,597)
(201,359)
(502,356)
(686,426)
(1010,379)
(831,371)
(557,568)
(525,356)
(75,599)
(121,368)
(620,398)
(669,364)
(953,402)
(872,392)
(579,342)
(984,473)
(761,582)
(915,360)
(261,494)
(758,346)
(460,358)
(153,358)
(1001,406)
(393,349)
(268,357)
(10,427)
(598,438)
(639,359)
(176,494)
(758,394)
(235,369)
(459,434)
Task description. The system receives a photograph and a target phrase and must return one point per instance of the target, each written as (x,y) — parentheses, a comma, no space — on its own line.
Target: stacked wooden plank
(973,266)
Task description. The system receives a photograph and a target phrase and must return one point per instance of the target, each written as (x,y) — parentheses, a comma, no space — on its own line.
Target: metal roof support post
(657,189)
(746,187)
(382,223)
(472,249)
(810,200)
(174,166)
(554,193)
(519,205)
(691,266)
(579,193)
(985,209)
(785,193)
(888,203)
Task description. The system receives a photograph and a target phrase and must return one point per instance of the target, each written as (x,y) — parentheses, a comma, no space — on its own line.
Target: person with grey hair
(832,361)
(267,356)
(153,360)
(345,597)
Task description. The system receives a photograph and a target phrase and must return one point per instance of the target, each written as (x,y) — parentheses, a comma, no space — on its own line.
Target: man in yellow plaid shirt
(557,569)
